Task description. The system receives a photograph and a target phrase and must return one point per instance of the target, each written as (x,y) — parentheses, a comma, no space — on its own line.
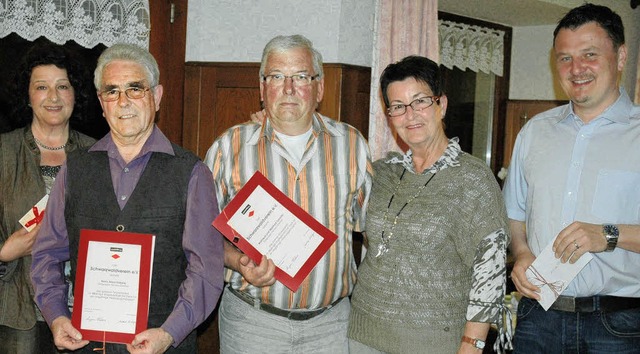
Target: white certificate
(274,231)
(111,282)
(261,220)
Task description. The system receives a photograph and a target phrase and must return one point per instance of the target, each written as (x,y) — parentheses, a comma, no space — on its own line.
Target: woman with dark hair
(49,94)
(433,278)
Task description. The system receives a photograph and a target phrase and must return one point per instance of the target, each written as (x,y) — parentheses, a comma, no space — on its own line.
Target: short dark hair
(47,53)
(601,15)
(420,68)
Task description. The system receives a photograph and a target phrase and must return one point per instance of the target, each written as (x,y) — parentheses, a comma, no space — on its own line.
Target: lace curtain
(471,47)
(87,22)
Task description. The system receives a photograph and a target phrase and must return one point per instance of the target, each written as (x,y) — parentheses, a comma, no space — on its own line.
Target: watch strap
(478,343)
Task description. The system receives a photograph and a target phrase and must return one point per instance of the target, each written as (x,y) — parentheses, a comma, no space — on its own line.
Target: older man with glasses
(323,166)
(134,180)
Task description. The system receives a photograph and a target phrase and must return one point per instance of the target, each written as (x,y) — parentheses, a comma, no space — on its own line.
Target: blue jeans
(245,329)
(540,331)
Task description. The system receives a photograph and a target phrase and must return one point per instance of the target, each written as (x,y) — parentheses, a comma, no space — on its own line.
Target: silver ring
(576,244)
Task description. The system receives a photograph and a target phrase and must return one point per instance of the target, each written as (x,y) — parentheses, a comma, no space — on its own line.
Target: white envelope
(552,276)
(34,216)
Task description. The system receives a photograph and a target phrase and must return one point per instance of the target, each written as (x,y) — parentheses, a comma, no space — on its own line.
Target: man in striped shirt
(322,165)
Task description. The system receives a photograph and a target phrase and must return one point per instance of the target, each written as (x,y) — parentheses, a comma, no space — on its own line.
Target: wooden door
(518,113)
(167,43)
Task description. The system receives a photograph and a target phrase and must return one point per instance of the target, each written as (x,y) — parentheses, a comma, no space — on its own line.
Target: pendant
(382,249)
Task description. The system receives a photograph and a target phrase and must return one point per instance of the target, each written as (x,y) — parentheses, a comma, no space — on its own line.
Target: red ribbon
(37,219)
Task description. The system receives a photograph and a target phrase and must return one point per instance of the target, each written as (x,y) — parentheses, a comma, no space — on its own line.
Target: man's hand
(18,244)
(258,275)
(577,239)
(65,336)
(519,277)
(151,341)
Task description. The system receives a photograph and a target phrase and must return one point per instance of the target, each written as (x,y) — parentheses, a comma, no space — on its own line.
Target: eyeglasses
(133,93)
(418,104)
(297,80)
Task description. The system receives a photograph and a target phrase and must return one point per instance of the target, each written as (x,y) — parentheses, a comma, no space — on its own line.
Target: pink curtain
(402,27)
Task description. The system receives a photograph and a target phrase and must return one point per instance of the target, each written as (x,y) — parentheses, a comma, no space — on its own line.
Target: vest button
(120,228)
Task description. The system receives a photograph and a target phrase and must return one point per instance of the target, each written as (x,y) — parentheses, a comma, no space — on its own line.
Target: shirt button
(126,169)
(123,197)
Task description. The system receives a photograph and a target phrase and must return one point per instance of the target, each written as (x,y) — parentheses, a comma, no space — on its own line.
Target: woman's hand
(18,244)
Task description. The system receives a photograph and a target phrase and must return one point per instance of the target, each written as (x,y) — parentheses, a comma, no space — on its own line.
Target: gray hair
(128,52)
(282,44)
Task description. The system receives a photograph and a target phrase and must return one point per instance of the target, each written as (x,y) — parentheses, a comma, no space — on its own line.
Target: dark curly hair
(47,53)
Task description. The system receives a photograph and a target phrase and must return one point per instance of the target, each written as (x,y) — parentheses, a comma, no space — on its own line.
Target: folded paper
(553,276)
(35,215)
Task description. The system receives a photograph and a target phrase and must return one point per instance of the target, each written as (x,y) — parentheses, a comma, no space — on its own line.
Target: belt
(295,315)
(595,303)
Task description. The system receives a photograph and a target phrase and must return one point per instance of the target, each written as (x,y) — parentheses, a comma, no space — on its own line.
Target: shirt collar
(157,142)
(267,131)
(448,159)
(618,112)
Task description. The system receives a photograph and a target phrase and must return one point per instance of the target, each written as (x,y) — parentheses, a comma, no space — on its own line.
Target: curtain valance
(471,47)
(87,22)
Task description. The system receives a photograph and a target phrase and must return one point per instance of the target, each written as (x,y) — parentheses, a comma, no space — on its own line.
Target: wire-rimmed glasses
(298,80)
(398,109)
(133,93)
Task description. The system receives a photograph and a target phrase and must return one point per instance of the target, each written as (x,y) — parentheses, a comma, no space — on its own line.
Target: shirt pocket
(617,197)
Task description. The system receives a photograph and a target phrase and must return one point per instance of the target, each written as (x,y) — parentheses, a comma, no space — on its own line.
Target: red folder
(113,239)
(239,201)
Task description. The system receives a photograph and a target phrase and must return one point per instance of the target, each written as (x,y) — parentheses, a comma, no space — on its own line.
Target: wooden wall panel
(232,107)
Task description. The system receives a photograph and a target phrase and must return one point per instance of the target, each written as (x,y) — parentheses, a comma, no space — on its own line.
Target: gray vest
(157,206)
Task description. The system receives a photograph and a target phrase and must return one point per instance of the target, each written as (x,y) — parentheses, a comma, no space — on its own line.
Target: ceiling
(512,13)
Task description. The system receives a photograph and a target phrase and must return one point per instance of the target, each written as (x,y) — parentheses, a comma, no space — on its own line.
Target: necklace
(384,245)
(47,147)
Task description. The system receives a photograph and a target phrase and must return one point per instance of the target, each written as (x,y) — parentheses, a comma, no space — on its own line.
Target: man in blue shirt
(574,182)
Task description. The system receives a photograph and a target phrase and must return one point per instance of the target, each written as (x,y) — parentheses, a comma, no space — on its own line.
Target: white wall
(342,30)
(237,30)
(532,74)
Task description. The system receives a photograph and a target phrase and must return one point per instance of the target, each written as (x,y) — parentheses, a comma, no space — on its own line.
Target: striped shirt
(332,183)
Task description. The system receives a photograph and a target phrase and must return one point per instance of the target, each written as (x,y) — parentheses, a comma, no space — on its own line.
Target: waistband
(595,303)
(295,315)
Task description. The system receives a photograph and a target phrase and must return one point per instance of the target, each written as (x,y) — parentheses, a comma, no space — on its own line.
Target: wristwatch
(611,234)
(478,343)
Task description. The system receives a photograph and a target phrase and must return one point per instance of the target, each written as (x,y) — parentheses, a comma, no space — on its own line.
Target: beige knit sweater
(416,297)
